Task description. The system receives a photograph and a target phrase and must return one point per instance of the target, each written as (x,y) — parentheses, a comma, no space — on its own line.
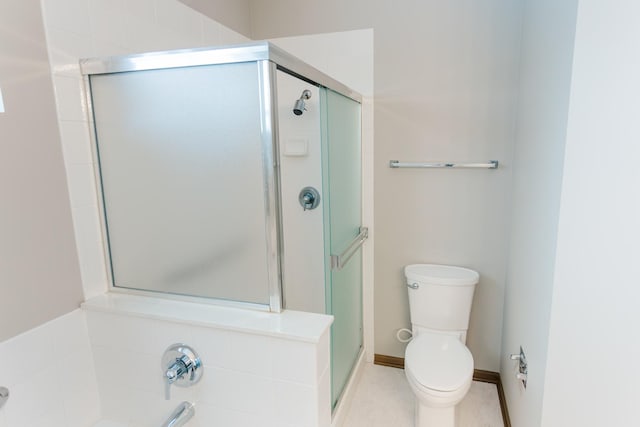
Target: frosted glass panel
(182,175)
(343,215)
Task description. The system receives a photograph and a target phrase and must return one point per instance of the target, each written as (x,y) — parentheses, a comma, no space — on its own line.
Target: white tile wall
(49,371)
(249,379)
(93,28)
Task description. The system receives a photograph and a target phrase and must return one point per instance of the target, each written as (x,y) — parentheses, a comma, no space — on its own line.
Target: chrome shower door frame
(268,59)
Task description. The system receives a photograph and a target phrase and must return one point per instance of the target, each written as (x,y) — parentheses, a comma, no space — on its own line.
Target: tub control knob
(180,366)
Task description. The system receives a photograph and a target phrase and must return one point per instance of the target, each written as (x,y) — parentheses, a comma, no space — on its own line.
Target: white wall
(591,377)
(39,272)
(235,14)
(444,87)
(545,75)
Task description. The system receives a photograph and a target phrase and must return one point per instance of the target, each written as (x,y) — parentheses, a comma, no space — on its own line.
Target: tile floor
(383,399)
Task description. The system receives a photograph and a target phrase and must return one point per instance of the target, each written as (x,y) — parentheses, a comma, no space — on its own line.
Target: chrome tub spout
(183,413)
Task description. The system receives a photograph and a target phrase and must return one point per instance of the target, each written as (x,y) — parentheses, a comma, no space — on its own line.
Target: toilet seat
(439,364)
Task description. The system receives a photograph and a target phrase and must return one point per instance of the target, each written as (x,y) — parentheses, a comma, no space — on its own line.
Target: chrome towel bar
(492,164)
(339,261)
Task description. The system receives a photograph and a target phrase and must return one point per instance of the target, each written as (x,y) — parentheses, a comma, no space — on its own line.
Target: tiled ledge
(293,325)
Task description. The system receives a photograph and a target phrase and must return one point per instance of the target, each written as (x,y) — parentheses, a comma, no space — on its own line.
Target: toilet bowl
(438,365)
(439,369)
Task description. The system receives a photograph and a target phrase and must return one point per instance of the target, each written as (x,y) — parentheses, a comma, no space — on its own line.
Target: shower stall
(233,175)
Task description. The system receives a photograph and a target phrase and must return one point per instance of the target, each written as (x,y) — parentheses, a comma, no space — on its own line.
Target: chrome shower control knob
(309,198)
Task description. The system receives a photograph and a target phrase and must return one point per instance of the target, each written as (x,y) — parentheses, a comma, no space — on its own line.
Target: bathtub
(260,368)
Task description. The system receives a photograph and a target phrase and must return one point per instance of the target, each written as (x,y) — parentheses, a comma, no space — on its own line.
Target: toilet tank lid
(441,274)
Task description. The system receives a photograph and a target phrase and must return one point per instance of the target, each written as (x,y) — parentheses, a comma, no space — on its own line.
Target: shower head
(299,106)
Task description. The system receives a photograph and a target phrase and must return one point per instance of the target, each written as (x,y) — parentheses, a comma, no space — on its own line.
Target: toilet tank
(440,296)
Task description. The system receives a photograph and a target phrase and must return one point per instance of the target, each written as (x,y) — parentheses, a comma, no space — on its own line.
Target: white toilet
(438,365)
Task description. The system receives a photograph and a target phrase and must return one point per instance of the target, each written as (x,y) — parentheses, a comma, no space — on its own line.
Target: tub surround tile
(293,325)
(66,48)
(69,15)
(76,143)
(296,362)
(32,348)
(53,418)
(21,409)
(181,26)
(106,423)
(245,376)
(82,184)
(239,353)
(93,268)
(80,391)
(296,404)
(107,19)
(70,98)
(138,335)
(324,398)
(208,415)
(54,384)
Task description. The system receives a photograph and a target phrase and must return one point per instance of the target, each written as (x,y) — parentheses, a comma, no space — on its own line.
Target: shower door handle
(339,261)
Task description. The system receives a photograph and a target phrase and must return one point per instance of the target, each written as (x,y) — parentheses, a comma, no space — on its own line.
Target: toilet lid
(439,362)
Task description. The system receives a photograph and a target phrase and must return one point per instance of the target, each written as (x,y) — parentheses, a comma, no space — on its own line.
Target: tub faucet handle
(181,366)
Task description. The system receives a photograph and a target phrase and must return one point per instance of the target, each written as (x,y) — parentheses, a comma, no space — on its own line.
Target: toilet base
(426,416)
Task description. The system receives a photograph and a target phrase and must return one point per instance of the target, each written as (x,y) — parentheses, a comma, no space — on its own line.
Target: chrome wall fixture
(309,198)
(299,107)
(491,164)
(179,417)
(523,366)
(180,366)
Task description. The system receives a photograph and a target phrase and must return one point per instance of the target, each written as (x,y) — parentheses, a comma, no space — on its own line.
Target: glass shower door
(171,142)
(342,216)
